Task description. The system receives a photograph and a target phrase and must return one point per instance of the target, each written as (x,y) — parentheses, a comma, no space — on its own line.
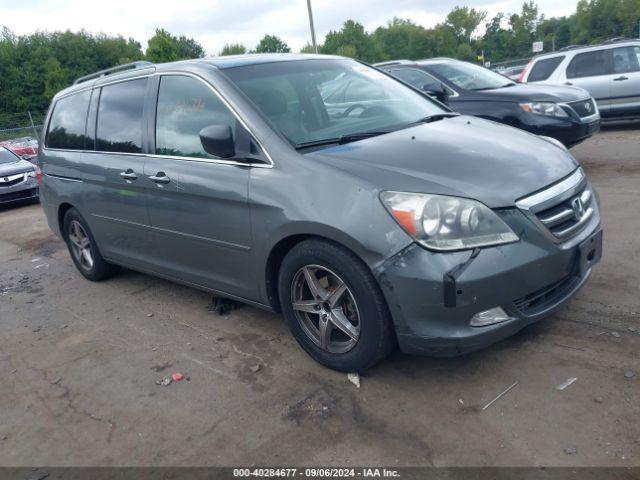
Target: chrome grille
(12,180)
(584,108)
(563,209)
(569,216)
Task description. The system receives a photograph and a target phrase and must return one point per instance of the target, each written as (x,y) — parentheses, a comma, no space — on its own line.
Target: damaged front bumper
(433,296)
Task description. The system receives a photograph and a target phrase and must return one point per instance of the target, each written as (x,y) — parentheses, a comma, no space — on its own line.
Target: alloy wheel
(325,308)
(80,245)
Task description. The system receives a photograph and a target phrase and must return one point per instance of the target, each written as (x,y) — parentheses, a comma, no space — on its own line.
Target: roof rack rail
(570,47)
(393,62)
(617,39)
(116,69)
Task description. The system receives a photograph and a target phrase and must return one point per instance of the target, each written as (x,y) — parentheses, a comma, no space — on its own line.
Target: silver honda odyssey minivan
(371,219)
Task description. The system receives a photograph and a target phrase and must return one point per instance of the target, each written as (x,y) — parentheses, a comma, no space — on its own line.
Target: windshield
(7,157)
(314,100)
(469,76)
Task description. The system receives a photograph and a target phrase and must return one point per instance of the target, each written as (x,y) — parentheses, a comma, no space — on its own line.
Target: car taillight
(524,72)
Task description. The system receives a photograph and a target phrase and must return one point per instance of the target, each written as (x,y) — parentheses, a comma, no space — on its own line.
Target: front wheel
(334,307)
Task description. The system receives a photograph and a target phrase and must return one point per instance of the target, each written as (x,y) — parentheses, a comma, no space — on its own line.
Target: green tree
(464,21)
(353,35)
(233,49)
(308,48)
(164,47)
(272,44)
(401,38)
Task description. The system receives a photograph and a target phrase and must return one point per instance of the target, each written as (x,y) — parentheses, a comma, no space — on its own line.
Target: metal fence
(17,125)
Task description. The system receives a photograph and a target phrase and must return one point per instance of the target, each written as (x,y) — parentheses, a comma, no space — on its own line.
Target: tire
(76,234)
(371,336)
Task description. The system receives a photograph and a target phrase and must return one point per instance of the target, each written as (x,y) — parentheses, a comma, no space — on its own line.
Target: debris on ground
(177,377)
(13,371)
(570,450)
(37,329)
(354,378)
(4,437)
(615,334)
(56,381)
(629,374)
(149,315)
(255,368)
(503,393)
(164,382)
(598,399)
(632,329)
(223,306)
(566,383)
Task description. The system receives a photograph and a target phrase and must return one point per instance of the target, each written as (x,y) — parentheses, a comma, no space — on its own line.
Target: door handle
(128,175)
(621,79)
(160,178)
(568,83)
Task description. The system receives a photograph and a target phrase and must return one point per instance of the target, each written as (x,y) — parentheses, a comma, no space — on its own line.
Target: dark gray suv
(377,219)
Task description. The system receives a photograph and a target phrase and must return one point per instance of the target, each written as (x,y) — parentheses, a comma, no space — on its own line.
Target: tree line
(34,67)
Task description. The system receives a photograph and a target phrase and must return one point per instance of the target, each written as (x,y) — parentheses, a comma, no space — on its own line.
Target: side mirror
(435,90)
(26,157)
(217,140)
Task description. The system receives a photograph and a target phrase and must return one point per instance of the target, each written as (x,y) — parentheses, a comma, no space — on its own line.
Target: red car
(24,147)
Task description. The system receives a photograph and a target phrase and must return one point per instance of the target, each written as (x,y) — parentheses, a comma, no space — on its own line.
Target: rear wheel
(83,249)
(334,307)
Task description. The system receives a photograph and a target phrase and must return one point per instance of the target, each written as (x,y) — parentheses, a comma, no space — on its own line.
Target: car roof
(425,62)
(573,49)
(134,69)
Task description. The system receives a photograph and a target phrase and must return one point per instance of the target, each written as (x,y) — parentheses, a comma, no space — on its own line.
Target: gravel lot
(79,363)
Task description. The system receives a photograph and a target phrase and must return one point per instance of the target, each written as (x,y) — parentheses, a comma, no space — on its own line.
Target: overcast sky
(214,23)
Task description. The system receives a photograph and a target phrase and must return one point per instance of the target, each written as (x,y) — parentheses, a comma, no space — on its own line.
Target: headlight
(31,174)
(548,109)
(447,223)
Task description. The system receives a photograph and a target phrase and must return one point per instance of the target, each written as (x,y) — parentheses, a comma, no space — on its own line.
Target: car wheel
(83,249)
(334,307)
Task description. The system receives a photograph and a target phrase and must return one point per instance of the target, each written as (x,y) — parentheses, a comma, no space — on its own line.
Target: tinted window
(119,126)
(415,78)
(589,64)
(469,76)
(186,106)
(543,69)
(67,125)
(625,59)
(6,156)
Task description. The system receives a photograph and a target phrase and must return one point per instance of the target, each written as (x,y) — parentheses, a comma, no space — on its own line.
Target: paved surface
(79,361)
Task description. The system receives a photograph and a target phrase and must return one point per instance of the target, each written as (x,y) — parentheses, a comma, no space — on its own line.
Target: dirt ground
(79,362)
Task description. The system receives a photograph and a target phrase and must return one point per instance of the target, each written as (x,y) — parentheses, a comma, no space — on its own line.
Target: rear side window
(67,125)
(543,69)
(119,124)
(589,64)
(625,59)
(186,106)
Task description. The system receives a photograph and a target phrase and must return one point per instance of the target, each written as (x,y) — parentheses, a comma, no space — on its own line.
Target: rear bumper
(530,280)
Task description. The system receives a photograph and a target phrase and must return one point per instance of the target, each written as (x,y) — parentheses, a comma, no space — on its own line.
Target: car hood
(461,156)
(533,93)
(19,166)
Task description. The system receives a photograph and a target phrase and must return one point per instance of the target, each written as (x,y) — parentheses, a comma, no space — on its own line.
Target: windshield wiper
(434,118)
(342,139)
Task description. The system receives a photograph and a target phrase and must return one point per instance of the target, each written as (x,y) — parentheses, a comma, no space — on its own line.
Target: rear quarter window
(542,69)
(68,120)
(589,64)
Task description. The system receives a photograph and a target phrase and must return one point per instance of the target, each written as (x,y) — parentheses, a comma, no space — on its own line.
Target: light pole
(313,30)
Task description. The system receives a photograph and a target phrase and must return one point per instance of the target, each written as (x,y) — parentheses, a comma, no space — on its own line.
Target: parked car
(513,73)
(610,72)
(24,147)
(18,178)
(567,114)
(393,221)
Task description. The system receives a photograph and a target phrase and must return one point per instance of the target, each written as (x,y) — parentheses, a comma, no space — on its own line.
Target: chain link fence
(19,125)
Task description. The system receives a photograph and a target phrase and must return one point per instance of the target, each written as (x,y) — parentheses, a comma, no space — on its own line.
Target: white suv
(609,71)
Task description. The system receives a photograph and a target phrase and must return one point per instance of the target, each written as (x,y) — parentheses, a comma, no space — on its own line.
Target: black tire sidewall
(373,342)
(101,269)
